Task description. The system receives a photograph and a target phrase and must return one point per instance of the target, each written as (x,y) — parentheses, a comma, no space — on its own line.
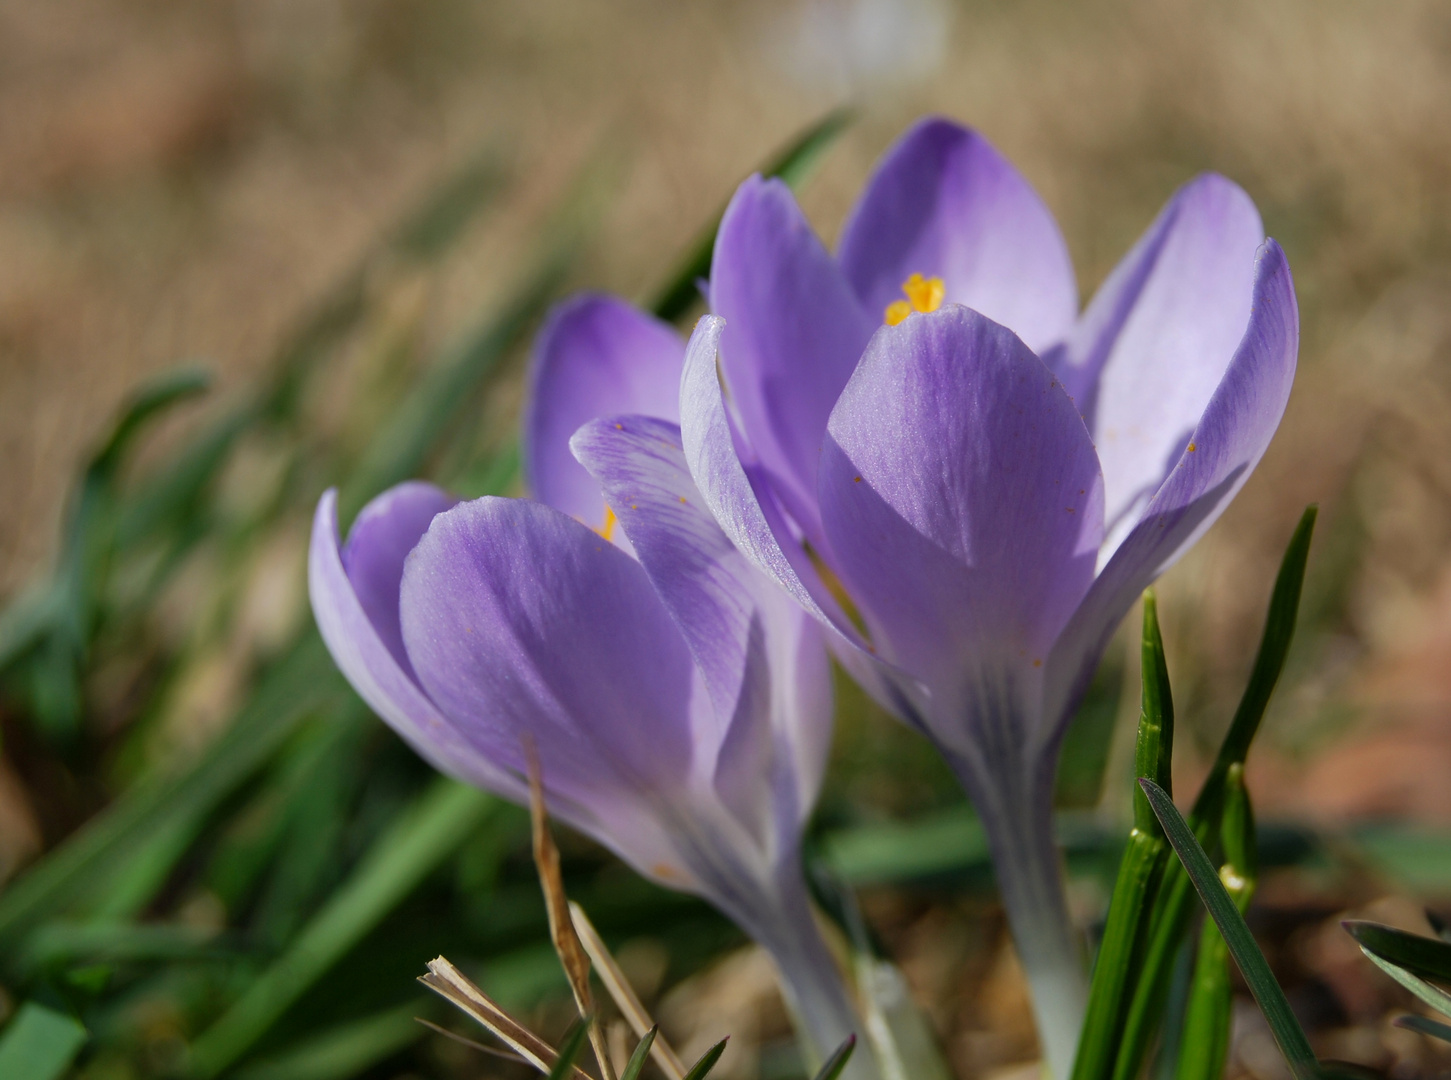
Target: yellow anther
(607,530)
(923,294)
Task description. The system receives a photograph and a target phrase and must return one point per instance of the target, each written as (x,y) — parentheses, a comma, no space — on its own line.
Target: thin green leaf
(447,210)
(342,1051)
(1175,903)
(1426,1026)
(1252,964)
(707,1061)
(1419,955)
(1131,908)
(837,1062)
(641,1055)
(432,829)
(1438,925)
(1428,992)
(569,1051)
(793,165)
(39,1044)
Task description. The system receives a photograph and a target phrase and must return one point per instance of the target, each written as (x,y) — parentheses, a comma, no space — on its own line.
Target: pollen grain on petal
(1193,447)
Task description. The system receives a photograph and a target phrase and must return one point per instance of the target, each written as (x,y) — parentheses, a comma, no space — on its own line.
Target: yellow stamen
(923,294)
(607,530)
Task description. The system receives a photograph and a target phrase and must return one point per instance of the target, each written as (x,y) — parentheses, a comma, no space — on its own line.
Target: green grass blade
(1252,964)
(1131,907)
(80,869)
(1175,904)
(642,1053)
(1425,1026)
(39,1044)
(343,1051)
(437,823)
(707,1061)
(793,165)
(1204,1044)
(434,226)
(831,1070)
(569,1051)
(1430,993)
(1423,956)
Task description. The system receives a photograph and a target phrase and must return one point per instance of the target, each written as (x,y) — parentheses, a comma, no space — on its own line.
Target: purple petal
(596,356)
(963,504)
(522,622)
(793,334)
(385,531)
(761,656)
(1225,446)
(1158,337)
(944,203)
(359,647)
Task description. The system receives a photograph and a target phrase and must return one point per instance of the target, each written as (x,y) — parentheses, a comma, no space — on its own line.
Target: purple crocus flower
(971,496)
(679,701)
(968,483)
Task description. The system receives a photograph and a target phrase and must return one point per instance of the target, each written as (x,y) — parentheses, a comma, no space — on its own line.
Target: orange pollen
(923,294)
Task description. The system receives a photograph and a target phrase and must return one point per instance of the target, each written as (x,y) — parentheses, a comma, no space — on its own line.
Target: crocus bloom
(679,701)
(923,426)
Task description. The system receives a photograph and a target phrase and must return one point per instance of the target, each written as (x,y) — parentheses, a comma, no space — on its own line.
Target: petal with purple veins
(963,505)
(793,334)
(1224,447)
(944,203)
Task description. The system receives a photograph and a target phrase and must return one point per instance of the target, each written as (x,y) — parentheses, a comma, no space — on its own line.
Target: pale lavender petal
(364,656)
(1158,337)
(793,334)
(963,506)
(944,203)
(383,534)
(1226,444)
(762,657)
(596,356)
(522,622)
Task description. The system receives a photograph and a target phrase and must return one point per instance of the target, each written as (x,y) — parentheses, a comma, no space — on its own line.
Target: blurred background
(350,217)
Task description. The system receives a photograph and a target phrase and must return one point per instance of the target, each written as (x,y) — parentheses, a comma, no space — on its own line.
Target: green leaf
(1131,907)
(344,1050)
(1252,964)
(641,1054)
(707,1061)
(1425,1026)
(837,1062)
(1175,904)
(793,165)
(569,1051)
(437,823)
(440,220)
(1428,992)
(39,1044)
(1423,956)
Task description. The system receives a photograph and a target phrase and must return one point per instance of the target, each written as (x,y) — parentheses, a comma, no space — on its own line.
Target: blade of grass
(636,1064)
(569,1050)
(1431,994)
(1131,906)
(1427,957)
(342,1051)
(707,1061)
(1221,906)
(299,685)
(1204,1042)
(1175,904)
(792,164)
(833,1066)
(1425,1026)
(439,820)
(39,1043)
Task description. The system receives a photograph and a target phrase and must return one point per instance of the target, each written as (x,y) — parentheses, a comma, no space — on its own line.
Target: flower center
(923,294)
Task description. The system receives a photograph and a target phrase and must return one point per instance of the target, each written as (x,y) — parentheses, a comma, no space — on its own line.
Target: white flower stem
(1016,809)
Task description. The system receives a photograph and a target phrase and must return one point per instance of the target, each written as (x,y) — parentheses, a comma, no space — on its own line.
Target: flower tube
(922,426)
(679,702)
